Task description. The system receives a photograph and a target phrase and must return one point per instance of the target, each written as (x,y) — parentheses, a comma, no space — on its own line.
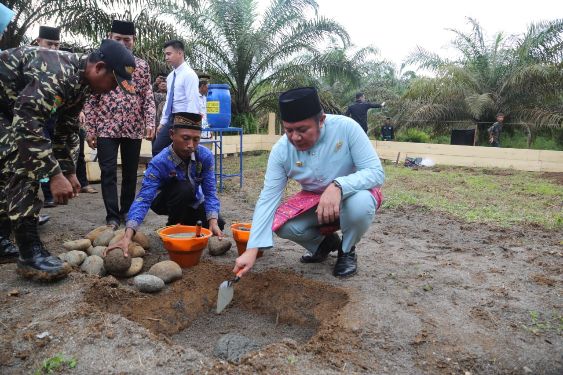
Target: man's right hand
(123,244)
(61,188)
(92,141)
(244,263)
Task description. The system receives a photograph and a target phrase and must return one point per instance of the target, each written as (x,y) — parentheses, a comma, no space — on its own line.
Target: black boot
(8,250)
(330,243)
(35,262)
(346,264)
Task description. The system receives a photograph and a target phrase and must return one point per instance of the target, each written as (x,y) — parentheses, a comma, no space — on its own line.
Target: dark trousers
(176,200)
(81,162)
(107,159)
(162,139)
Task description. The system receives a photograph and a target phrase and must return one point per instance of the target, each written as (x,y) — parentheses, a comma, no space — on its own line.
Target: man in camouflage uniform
(50,38)
(35,84)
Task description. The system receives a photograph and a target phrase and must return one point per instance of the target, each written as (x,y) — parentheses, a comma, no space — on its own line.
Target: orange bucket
(184,251)
(241,237)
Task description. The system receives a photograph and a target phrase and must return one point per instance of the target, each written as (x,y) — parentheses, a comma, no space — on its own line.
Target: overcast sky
(396,27)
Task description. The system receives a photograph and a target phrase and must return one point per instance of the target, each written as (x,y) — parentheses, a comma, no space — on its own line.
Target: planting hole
(268,307)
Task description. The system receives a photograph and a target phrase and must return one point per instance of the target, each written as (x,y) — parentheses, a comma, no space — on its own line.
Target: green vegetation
(498,197)
(413,135)
(56,364)
(289,43)
(492,196)
(541,323)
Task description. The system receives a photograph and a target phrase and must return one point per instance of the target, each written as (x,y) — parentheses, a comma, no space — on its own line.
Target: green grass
(495,196)
(56,364)
(500,197)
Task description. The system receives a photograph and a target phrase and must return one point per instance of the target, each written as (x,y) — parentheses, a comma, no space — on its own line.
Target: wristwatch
(337,184)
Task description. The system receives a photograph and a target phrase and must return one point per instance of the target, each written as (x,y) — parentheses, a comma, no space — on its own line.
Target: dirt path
(433,295)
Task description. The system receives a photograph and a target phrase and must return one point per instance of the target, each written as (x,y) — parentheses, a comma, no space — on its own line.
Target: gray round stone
(136,267)
(232,347)
(166,270)
(74,257)
(148,283)
(218,246)
(104,238)
(93,265)
(98,250)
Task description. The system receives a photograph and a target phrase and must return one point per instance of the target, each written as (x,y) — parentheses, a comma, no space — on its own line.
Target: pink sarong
(305,200)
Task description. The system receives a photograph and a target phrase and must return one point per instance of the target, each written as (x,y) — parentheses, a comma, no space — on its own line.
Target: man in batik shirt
(118,121)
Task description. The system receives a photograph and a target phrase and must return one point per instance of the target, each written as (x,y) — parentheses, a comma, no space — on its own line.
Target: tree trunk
(530,135)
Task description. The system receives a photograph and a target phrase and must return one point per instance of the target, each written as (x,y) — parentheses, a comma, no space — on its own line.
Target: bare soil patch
(433,295)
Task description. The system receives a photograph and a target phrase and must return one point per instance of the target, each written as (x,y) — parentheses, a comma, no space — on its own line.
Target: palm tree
(88,22)
(519,75)
(260,55)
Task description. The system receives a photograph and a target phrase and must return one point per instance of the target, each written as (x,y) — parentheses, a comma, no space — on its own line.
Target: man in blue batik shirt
(179,182)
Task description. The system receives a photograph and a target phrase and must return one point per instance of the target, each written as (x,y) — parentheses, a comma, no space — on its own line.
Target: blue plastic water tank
(219,106)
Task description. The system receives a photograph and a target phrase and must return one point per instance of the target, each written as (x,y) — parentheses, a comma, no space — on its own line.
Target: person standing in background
(119,121)
(203,90)
(387,130)
(81,162)
(359,110)
(182,93)
(159,99)
(495,130)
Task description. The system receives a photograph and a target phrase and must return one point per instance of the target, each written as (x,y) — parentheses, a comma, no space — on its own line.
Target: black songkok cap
(51,33)
(299,104)
(123,27)
(185,120)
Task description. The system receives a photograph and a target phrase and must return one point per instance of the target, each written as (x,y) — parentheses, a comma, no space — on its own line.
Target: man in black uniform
(387,130)
(359,110)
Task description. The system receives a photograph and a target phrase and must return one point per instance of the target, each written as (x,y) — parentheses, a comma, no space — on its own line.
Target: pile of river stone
(87,254)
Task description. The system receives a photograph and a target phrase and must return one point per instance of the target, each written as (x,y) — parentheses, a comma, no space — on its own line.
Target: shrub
(413,135)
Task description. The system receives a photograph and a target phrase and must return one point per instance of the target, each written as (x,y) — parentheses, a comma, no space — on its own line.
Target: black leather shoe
(49,204)
(43,219)
(330,243)
(35,262)
(346,264)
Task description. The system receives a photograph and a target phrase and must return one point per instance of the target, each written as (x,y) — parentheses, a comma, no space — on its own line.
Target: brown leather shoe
(88,190)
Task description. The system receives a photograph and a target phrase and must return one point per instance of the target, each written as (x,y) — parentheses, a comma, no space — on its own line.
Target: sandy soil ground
(433,295)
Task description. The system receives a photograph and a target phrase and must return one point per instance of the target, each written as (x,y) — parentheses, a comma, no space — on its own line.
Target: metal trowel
(226,291)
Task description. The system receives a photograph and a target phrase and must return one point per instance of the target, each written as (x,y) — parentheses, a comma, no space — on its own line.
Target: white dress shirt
(186,92)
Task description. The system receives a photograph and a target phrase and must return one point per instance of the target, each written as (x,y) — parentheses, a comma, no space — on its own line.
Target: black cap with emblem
(121,61)
(186,120)
(50,33)
(123,27)
(299,104)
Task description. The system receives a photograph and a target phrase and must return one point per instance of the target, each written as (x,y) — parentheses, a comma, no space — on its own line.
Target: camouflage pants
(18,192)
